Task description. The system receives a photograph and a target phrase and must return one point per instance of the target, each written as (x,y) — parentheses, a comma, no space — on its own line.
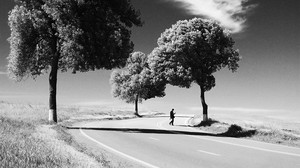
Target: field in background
(260,126)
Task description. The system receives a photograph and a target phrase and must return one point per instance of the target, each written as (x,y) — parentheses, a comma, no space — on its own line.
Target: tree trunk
(136,105)
(52,89)
(204,105)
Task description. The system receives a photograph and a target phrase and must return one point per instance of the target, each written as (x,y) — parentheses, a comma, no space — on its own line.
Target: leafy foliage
(136,80)
(191,51)
(84,34)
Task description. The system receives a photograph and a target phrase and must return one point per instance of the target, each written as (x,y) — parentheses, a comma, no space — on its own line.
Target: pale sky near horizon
(268,79)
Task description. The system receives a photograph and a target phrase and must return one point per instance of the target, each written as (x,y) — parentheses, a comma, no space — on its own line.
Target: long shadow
(231,132)
(146,131)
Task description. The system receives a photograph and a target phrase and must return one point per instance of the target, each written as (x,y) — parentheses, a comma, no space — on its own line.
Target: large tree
(136,82)
(77,35)
(191,51)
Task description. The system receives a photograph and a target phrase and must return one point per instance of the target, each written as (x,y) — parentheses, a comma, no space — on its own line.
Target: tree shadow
(138,115)
(238,132)
(145,131)
(232,132)
(207,123)
(183,125)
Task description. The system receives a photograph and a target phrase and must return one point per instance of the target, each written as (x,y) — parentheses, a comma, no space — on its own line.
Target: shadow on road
(146,131)
(160,131)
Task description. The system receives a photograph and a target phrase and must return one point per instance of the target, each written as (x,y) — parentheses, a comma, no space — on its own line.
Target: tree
(77,35)
(191,51)
(136,82)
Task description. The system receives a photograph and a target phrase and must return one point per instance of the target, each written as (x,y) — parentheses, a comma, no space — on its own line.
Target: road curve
(151,142)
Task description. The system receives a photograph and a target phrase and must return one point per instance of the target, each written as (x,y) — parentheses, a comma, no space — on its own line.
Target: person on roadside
(172,116)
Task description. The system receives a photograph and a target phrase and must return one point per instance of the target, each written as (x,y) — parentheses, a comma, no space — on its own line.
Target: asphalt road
(151,142)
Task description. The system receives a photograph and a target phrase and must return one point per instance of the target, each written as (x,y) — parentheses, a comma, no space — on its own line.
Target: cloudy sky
(266,33)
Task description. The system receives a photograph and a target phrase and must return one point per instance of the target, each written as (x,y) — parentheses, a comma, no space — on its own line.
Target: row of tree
(188,52)
(83,35)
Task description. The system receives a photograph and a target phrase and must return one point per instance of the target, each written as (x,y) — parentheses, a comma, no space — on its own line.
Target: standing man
(172,116)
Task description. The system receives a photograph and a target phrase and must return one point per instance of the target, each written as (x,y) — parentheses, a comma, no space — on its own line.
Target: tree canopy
(191,51)
(80,35)
(85,34)
(136,82)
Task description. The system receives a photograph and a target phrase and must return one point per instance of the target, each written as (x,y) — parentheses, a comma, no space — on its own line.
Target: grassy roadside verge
(264,132)
(27,140)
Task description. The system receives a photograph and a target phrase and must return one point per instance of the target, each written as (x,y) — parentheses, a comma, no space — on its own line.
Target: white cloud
(230,13)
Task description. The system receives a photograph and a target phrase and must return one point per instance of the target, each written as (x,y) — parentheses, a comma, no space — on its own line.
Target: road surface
(152,142)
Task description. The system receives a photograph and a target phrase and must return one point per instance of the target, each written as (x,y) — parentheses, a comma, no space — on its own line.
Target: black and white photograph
(149,84)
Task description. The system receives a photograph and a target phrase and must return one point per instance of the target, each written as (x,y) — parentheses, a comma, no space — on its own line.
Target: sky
(266,33)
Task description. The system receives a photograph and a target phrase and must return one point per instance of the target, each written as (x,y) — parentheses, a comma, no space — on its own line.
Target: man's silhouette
(172,116)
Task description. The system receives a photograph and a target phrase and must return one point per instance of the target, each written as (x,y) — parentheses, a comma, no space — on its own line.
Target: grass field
(264,129)
(27,140)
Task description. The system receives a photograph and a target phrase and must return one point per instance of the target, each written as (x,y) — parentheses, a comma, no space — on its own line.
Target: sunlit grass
(24,145)
(27,140)
(266,131)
